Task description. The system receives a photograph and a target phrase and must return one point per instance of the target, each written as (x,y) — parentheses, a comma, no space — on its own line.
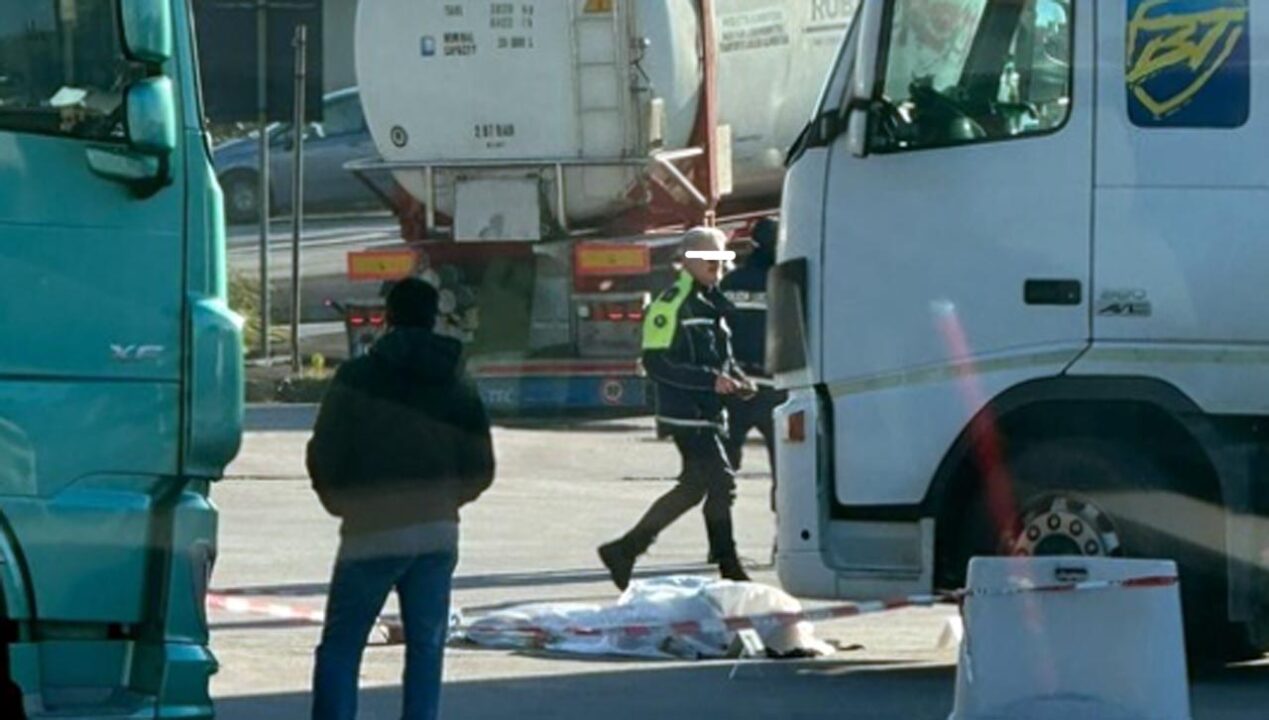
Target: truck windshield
(973,70)
(62,71)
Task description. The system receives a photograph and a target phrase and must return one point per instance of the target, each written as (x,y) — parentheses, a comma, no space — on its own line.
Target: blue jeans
(358,590)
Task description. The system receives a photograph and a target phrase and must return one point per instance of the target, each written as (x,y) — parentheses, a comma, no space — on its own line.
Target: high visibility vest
(662,319)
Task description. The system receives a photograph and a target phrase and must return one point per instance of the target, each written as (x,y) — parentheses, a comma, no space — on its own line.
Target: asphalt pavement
(561,490)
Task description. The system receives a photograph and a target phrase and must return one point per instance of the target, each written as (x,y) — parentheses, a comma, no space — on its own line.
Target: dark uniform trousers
(707,475)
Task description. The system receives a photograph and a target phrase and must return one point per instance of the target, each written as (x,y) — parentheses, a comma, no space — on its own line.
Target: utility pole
(262,104)
(299,129)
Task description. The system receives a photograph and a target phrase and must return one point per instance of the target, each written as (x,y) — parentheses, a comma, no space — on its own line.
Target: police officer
(687,353)
(746,291)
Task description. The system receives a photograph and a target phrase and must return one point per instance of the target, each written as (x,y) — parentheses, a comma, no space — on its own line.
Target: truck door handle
(1070,574)
(1053,292)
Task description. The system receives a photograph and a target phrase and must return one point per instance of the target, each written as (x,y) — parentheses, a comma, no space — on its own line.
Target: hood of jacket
(421,354)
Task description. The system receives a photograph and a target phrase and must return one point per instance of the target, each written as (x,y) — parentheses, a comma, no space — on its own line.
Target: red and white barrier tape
(384,629)
(1141,583)
(245,606)
(826,614)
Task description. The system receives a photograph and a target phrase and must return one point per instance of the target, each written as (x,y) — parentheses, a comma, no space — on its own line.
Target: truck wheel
(242,197)
(1096,498)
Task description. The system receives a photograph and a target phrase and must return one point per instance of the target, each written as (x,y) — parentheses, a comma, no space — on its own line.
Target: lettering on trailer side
(830,19)
(516,23)
(495,135)
(757,30)
(832,10)
(460,44)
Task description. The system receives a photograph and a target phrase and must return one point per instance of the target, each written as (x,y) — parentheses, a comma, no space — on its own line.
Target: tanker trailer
(551,151)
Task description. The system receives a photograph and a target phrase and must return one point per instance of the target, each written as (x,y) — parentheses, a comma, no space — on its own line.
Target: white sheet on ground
(654,603)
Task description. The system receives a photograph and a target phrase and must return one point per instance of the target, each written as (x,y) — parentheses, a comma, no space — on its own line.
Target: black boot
(731,569)
(619,558)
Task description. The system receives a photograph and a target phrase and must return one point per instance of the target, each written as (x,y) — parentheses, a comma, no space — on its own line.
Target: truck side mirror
(151,107)
(857,132)
(147,29)
(863,86)
(152,134)
(871,19)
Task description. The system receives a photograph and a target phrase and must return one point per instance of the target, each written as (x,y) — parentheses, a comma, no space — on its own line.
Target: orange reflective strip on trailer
(612,259)
(380,264)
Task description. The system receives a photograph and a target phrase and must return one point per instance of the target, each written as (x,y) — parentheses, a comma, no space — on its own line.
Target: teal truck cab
(120,373)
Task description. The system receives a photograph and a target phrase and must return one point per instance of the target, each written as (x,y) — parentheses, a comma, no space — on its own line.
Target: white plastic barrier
(1104,642)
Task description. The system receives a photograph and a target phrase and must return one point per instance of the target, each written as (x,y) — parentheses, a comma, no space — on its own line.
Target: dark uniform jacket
(746,290)
(686,347)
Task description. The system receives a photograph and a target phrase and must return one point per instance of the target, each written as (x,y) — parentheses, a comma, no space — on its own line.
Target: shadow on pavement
(279,418)
(295,590)
(256,625)
(572,424)
(491,580)
(300,417)
(740,477)
(784,691)
(1237,692)
(568,577)
(775,690)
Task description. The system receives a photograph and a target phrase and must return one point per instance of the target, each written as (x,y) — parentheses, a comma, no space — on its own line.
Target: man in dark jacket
(402,442)
(746,290)
(687,353)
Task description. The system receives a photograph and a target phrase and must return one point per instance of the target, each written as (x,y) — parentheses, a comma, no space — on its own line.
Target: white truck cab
(1021,301)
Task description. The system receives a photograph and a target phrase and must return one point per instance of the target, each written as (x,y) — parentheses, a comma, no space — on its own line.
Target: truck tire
(1092,497)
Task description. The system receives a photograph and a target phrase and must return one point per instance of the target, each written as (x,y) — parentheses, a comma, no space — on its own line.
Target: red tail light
(377,320)
(615,312)
(797,428)
(357,320)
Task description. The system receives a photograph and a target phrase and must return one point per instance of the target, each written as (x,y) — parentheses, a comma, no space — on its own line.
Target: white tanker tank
(480,107)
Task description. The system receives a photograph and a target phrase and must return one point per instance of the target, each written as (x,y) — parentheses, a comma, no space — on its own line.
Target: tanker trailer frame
(574,345)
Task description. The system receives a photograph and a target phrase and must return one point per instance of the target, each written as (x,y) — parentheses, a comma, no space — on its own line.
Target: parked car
(340,137)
